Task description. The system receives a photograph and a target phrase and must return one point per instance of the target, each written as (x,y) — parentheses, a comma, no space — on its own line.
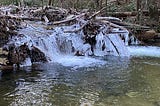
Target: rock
(145,36)
(78,53)
(16,55)
(6,68)
(37,55)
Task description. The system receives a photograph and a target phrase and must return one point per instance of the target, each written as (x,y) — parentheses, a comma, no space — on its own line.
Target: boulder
(147,35)
(17,55)
(37,55)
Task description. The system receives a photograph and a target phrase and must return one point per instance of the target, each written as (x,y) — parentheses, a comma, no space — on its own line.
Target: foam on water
(27,62)
(79,61)
(152,51)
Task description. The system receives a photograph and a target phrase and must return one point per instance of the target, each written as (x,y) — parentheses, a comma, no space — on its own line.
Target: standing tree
(106,7)
(153,10)
(22,3)
(139,9)
(49,2)
(97,4)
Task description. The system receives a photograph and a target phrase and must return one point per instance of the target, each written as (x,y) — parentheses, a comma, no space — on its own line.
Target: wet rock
(16,55)
(3,56)
(6,68)
(147,35)
(37,55)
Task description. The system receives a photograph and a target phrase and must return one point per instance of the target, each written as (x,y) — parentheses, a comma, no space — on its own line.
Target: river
(120,81)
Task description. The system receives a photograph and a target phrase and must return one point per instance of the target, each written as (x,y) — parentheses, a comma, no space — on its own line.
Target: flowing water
(119,82)
(115,75)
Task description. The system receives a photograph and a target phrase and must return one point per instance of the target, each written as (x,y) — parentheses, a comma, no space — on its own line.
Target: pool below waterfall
(121,81)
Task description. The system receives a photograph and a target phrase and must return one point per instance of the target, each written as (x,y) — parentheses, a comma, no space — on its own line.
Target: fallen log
(78,29)
(113,25)
(113,45)
(128,14)
(96,13)
(68,20)
(117,21)
(88,20)
(20,18)
(108,19)
(131,26)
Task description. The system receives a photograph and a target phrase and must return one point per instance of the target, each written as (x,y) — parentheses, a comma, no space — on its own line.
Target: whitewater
(61,47)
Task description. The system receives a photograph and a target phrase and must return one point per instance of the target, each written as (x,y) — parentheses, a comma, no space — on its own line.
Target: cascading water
(59,46)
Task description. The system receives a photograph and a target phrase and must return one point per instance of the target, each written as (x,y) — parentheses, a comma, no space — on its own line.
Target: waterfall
(58,46)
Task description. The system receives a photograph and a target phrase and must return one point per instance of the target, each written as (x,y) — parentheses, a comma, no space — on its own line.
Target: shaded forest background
(112,5)
(152,6)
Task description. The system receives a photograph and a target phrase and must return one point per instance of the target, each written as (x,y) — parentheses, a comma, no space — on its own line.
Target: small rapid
(76,49)
(70,49)
(139,51)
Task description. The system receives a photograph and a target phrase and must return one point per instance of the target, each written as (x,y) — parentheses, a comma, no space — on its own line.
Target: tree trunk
(62,3)
(106,8)
(101,3)
(139,10)
(96,4)
(153,10)
(49,2)
(22,3)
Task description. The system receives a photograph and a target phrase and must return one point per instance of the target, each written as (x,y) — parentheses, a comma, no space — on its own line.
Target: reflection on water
(120,82)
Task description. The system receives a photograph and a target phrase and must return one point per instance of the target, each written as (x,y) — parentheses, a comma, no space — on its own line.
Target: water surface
(120,82)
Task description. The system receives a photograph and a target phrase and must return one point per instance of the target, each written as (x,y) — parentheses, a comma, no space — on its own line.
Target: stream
(118,82)
(109,73)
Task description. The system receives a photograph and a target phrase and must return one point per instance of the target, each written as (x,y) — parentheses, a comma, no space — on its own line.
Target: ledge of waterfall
(73,36)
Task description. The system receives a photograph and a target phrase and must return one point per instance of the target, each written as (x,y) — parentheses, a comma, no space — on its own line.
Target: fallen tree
(128,14)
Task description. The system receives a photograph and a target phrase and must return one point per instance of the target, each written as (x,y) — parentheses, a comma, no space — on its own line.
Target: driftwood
(116,21)
(131,26)
(108,18)
(78,29)
(78,16)
(96,13)
(68,20)
(113,25)
(20,18)
(88,20)
(113,45)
